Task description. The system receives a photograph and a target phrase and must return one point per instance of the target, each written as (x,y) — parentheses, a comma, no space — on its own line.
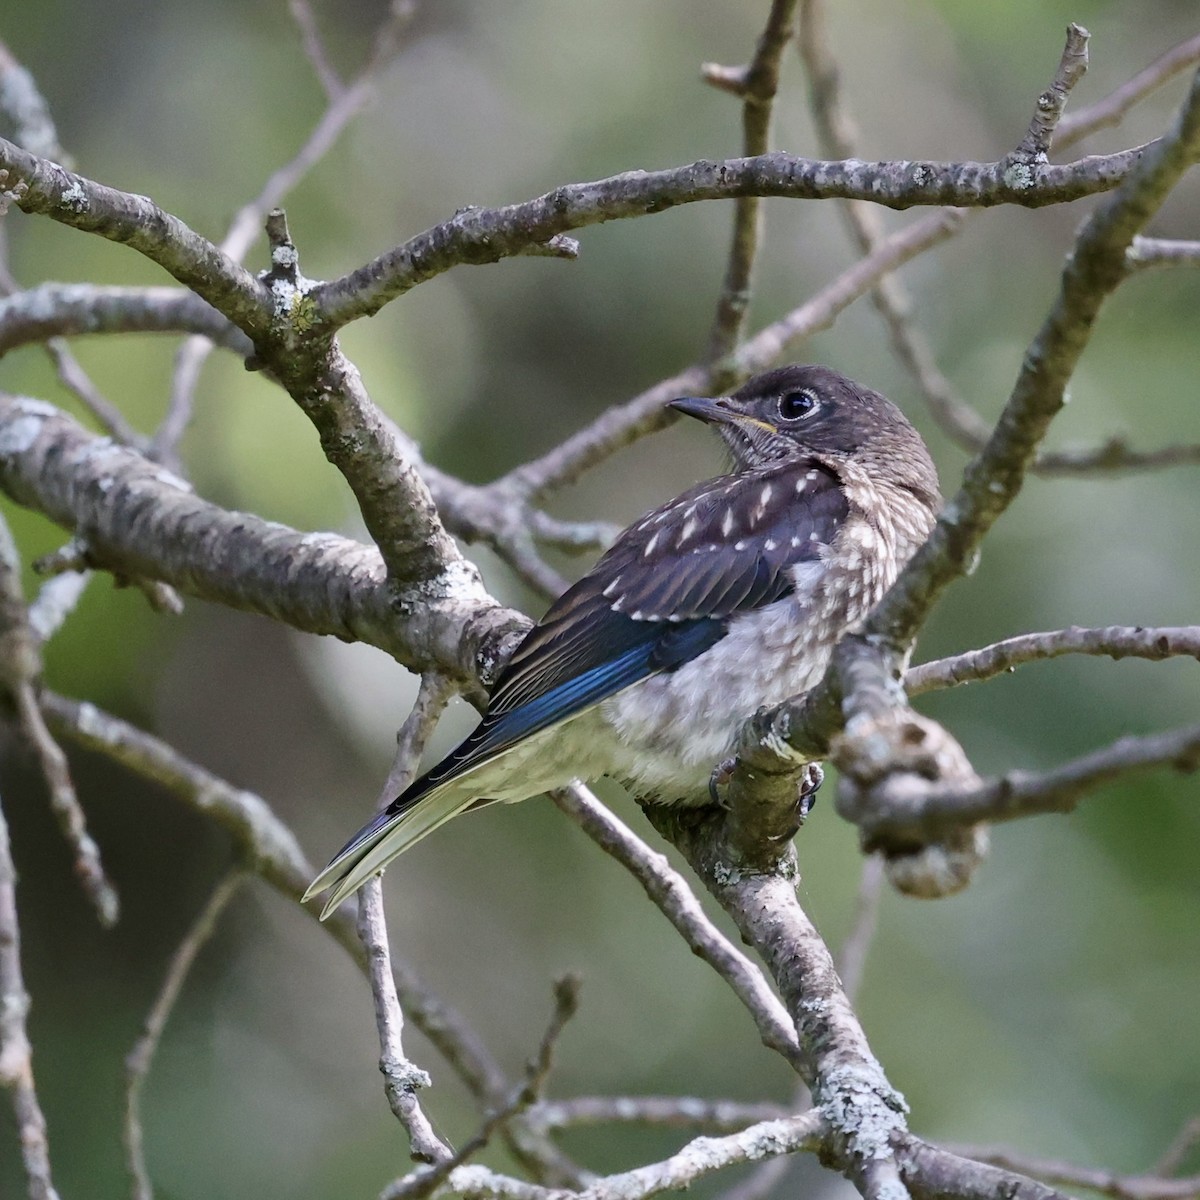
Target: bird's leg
(806,794)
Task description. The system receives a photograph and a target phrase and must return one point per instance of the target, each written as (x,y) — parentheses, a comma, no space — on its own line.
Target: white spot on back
(689,528)
(727,522)
(649,550)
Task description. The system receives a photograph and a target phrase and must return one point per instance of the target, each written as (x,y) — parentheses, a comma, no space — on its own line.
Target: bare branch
(1035,145)
(936,1174)
(16,1054)
(671,893)
(345,103)
(20,677)
(671,1112)
(1150,1186)
(26,107)
(402,1077)
(141,1057)
(623,424)
(141,521)
(1093,271)
(1111,110)
(1113,641)
(69,309)
(852,957)
(837,137)
(40,186)
(477,236)
(423,1183)
(863,1112)
(757,85)
(1149,253)
(698,1159)
(916,814)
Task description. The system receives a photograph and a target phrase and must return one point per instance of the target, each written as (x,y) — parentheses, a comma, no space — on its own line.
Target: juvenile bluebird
(727,598)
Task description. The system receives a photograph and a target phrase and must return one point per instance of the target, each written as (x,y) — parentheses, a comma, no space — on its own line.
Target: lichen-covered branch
(138,519)
(863,1112)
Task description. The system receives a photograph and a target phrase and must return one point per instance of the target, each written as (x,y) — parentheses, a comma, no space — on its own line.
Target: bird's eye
(795,405)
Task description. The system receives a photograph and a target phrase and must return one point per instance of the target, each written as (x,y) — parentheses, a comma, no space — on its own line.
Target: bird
(727,598)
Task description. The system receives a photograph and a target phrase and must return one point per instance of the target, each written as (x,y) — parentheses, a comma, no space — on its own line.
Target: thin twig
(23,103)
(16,1054)
(1151,1186)
(671,893)
(141,1057)
(402,1077)
(1112,641)
(852,957)
(758,85)
(1035,145)
(20,676)
(670,1112)
(1148,253)
(422,1183)
(314,48)
(344,103)
(919,813)
(1181,1145)
(645,413)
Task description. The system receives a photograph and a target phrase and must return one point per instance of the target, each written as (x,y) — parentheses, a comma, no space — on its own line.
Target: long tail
(388,835)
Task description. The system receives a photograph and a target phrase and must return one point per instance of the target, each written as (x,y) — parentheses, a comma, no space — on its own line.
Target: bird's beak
(711,412)
(716,412)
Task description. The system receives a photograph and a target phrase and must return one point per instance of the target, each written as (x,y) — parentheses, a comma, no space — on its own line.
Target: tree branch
(902,812)
(70,309)
(16,1054)
(477,236)
(137,519)
(37,185)
(20,679)
(1112,641)
(141,1057)
(670,892)
(757,85)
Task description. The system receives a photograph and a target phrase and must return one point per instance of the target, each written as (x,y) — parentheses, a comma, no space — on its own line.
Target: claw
(814,776)
(722,773)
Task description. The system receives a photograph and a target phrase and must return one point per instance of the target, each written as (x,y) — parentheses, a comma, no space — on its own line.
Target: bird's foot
(722,773)
(810,784)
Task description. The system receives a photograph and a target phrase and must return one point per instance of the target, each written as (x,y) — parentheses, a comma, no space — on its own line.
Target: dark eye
(795,405)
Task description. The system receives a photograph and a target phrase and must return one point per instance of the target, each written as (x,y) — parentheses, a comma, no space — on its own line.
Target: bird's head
(803,411)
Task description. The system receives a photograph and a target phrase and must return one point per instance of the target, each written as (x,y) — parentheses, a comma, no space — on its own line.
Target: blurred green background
(1051,1008)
